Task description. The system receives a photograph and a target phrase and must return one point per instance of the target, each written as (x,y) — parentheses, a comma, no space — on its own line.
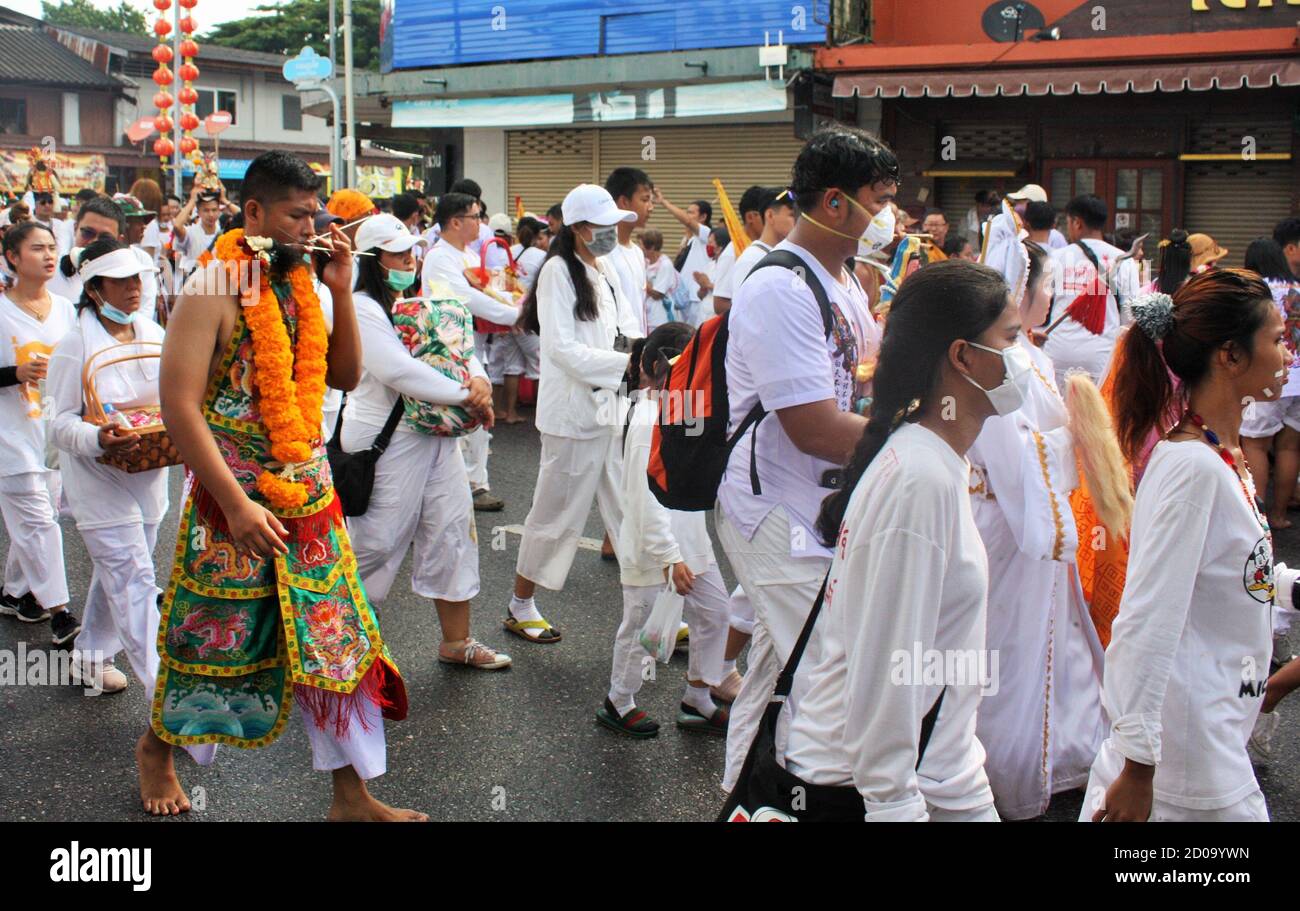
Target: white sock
(623,702)
(698,698)
(524,610)
(728,668)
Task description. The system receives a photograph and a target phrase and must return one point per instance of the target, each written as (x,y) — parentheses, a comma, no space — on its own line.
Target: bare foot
(1279,521)
(366,809)
(514,419)
(160,790)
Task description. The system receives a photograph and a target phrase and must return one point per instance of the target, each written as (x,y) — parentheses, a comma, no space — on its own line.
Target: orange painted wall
(945,21)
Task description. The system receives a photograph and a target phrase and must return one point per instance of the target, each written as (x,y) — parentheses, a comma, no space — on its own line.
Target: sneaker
(1260,745)
(64,626)
(683,635)
(473,653)
(728,689)
(104,680)
(8,605)
(28,610)
(485,502)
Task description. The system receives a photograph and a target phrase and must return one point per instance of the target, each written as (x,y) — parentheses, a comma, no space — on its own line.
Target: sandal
(635,724)
(473,653)
(690,719)
(548,634)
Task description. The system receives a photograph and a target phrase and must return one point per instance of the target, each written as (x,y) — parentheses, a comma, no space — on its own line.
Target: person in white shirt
(810,365)
(1071,344)
(44,208)
(778,218)
(896,661)
(421,497)
(117,513)
(693,257)
(458,217)
(662,280)
(32,322)
(986,203)
(519,352)
(190,239)
(1040,218)
(1189,652)
(97,219)
(655,544)
(137,219)
(585,324)
(632,191)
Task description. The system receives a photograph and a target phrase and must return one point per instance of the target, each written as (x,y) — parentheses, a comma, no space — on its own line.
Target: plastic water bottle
(116,417)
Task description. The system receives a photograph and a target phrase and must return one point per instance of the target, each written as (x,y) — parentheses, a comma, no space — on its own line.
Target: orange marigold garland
(289,378)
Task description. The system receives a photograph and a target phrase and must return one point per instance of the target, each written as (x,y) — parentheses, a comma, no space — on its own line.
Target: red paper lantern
(189,121)
(162,53)
(188,25)
(188,95)
(162,5)
(163,147)
(162,27)
(189,72)
(188,144)
(162,76)
(189,48)
(162,100)
(162,123)
(189,4)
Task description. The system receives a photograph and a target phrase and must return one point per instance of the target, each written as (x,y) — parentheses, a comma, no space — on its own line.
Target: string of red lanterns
(188,73)
(163,77)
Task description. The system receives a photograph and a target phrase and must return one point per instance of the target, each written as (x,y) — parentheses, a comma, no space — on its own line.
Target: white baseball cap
(1031,192)
(501,222)
(385,232)
(121,263)
(590,203)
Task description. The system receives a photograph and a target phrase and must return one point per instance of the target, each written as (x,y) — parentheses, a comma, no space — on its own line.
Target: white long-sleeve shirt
(628,262)
(1189,652)
(388,370)
(444,263)
(909,576)
(102,496)
(23,338)
(1071,344)
(580,370)
(652,536)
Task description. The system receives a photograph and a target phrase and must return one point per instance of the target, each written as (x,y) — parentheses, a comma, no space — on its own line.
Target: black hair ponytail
(586,305)
(935,307)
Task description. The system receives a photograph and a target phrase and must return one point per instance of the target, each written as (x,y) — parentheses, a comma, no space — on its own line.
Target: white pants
(514,354)
(742,611)
(420,497)
(122,603)
(572,473)
(782,590)
(1109,763)
(35,559)
(474,448)
(986,813)
(362,747)
(705,611)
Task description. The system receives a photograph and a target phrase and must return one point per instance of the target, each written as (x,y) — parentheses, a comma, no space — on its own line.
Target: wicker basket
(155,449)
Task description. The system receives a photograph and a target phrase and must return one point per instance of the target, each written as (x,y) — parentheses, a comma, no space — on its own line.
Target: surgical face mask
(1010,395)
(603,240)
(880,233)
(398,280)
(110,312)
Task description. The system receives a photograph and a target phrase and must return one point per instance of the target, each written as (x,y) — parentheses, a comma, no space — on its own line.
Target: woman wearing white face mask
(117,512)
(1041,720)
(421,496)
(580,312)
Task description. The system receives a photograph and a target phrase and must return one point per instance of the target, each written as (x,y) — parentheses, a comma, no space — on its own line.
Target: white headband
(121,263)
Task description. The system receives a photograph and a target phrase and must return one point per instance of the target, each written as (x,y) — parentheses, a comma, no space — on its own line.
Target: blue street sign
(308,66)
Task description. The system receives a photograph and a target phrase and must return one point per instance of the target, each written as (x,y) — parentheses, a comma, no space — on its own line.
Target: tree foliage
(286,29)
(84,14)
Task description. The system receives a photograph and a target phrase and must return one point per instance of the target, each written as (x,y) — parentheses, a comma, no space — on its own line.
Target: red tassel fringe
(307,528)
(1089,311)
(381,687)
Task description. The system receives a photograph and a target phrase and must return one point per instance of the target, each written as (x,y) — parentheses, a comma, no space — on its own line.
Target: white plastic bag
(659,635)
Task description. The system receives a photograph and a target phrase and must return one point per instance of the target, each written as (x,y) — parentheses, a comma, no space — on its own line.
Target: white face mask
(603,240)
(1010,395)
(880,233)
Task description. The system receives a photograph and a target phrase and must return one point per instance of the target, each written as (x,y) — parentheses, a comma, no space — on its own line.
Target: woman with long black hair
(909,578)
(1189,653)
(579,311)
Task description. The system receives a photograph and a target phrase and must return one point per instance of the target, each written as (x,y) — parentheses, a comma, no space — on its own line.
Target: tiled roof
(30,55)
(144,44)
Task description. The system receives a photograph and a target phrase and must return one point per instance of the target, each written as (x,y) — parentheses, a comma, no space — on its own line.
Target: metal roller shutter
(979,141)
(1236,201)
(543,165)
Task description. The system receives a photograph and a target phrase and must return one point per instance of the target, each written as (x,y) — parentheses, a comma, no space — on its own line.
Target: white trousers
(1108,765)
(420,498)
(742,611)
(986,813)
(474,448)
(514,354)
(35,559)
(572,473)
(122,603)
(782,591)
(363,746)
(706,612)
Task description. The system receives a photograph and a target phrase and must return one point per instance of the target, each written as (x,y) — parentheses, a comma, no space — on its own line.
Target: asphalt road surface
(515,745)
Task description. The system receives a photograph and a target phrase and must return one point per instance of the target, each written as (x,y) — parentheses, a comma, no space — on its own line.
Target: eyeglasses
(90,235)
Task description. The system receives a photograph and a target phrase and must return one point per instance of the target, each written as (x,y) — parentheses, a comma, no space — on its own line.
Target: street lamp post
(350,150)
